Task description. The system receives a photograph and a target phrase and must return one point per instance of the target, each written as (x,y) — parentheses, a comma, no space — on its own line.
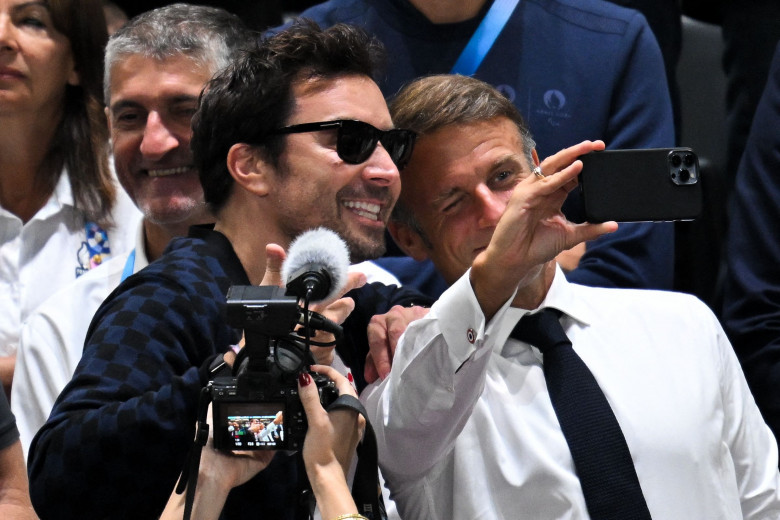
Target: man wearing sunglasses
(293,135)
(583,69)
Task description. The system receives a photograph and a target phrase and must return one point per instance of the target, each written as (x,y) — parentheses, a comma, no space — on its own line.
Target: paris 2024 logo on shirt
(94,250)
(552,106)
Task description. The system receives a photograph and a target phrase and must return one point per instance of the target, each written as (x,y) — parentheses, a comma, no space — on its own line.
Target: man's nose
(490,205)
(158,139)
(380,168)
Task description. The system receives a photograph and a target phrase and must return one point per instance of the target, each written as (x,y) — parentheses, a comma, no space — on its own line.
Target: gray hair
(208,35)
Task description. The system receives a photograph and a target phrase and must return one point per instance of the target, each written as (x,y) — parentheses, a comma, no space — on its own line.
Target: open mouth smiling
(166,172)
(364,209)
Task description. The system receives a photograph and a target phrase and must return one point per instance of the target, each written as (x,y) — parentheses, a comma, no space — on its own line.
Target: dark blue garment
(9,434)
(119,432)
(751,311)
(576,70)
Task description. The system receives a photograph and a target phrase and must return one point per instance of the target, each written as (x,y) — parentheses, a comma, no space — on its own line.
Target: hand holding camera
(278,333)
(327,454)
(330,444)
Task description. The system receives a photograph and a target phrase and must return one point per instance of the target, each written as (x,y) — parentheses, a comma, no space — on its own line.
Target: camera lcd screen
(252,426)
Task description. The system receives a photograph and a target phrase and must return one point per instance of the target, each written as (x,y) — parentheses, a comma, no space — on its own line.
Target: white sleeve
(437,376)
(752,445)
(47,356)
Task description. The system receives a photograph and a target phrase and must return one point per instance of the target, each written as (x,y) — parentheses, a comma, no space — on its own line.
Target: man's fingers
(378,359)
(274,258)
(588,232)
(355,280)
(229,357)
(568,155)
(370,373)
(384,332)
(337,311)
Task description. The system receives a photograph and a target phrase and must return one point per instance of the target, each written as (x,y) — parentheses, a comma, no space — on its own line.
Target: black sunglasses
(356,140)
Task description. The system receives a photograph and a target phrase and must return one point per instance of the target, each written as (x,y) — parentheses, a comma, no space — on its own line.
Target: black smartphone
(653,184)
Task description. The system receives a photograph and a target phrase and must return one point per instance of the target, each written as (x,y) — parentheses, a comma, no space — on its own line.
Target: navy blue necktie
(598,448)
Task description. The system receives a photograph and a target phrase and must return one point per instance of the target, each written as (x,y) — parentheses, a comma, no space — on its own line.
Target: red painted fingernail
(304,379)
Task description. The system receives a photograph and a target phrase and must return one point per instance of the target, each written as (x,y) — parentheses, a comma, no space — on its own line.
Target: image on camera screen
(255,426)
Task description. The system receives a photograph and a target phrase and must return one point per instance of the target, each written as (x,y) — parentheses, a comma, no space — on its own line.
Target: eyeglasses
(356,140)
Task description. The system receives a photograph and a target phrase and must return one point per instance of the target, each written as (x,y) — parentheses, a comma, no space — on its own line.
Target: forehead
(22,3)
(461,155)
(144,79)
(342,97)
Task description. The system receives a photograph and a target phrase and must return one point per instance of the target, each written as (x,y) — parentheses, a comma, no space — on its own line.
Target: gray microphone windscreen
(317,250)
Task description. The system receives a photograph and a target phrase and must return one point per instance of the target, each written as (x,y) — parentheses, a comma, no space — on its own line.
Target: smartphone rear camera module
(683,168)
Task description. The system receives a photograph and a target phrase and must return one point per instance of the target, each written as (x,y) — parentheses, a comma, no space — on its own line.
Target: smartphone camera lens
(676,160)
(688,160)
(685,176)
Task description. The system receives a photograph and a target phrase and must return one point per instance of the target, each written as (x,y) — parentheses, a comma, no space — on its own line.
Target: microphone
(316,264)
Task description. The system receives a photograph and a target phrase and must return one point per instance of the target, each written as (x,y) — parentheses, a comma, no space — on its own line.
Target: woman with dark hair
(59,208)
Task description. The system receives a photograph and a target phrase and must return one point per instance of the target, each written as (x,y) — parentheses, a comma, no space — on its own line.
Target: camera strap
(189,474)
(365,488)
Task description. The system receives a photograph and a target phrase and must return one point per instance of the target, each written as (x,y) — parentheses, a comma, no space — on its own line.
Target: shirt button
(471,336)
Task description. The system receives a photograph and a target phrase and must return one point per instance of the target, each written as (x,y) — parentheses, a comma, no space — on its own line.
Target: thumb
(274,257)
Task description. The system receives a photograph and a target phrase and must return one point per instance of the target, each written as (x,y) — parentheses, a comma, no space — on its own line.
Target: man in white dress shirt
(464,421)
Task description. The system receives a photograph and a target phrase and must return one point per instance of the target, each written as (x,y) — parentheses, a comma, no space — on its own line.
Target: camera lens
(688,159)
(685,175)
(676,160)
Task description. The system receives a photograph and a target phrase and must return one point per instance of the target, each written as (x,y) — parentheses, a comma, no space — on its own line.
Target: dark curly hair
(252,98)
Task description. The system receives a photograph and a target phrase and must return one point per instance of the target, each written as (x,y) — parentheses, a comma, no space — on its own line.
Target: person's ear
(408,239)
(249,171)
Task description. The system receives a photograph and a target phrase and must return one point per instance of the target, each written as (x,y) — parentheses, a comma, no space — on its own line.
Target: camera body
(258,407)
(265,416)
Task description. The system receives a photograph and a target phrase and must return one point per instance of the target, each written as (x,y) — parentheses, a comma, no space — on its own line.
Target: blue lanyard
(484,37)
(129,266)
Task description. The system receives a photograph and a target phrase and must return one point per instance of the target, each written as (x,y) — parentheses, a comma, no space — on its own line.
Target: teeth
(168,171)
(364,209)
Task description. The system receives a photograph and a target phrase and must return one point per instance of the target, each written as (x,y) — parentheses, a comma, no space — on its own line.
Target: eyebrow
(25,5)
(129,103)
(510,158)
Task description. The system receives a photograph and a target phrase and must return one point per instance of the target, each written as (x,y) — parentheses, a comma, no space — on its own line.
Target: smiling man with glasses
(295,134)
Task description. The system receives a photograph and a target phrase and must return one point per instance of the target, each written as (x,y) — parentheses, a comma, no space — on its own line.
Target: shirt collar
(62,191)
(561,296)
(61,197)
(141,260)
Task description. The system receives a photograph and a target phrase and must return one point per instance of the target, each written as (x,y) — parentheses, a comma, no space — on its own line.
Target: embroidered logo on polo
(553,108)
(507,91)
(94,250)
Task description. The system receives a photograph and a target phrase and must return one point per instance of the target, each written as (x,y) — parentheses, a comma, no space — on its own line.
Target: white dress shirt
(40,256)
(466,429)
(52,339)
